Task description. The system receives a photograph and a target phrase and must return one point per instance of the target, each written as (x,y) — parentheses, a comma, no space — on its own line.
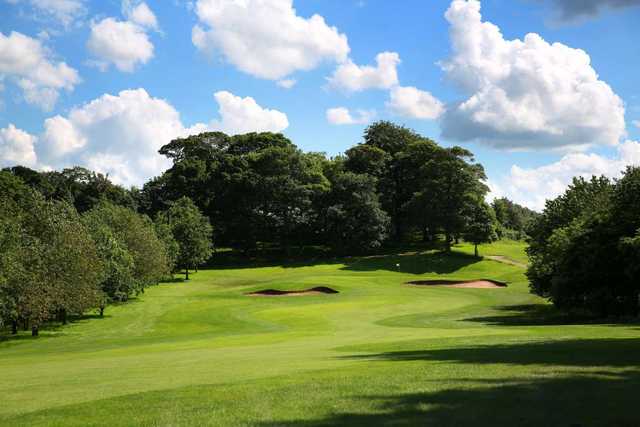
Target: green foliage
(136,234)
(513,219)
(192,232)
(50,264)
(352,218)
(481,225)
(78,186)
(117,279)
(171,246)
(584,252)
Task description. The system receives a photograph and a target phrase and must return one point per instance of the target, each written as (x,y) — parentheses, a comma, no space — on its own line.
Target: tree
(117,279)
(453,183)
(480,226)
(353,219)
(51,262)
(171,246)
(512,218)
(584,247)
(78,186)
(191,230)
(393,188)
(136,234)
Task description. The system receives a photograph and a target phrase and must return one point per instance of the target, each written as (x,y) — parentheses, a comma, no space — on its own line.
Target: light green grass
(379,352)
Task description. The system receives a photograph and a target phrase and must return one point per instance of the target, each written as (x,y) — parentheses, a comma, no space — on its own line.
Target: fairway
(379,351)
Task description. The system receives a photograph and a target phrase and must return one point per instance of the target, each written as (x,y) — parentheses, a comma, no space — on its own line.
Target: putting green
(377,352)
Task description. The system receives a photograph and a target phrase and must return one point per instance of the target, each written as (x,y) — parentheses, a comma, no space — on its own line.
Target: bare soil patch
(318,290)
(479,283)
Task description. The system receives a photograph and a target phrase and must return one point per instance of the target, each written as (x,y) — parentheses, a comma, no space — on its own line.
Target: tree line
(56,261)
(396,186)
(585,247)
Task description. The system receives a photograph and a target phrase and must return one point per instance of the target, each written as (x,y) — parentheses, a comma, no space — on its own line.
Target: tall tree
(191,230)
(352,218)
(480,227)
(393,188)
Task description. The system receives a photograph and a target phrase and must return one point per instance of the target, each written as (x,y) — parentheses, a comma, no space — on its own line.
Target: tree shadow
(619,352)
(574,400)
(592,383)
(415,263)
(544,314)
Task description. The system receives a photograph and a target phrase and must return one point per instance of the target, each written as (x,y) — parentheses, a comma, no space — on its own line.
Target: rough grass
(379,352)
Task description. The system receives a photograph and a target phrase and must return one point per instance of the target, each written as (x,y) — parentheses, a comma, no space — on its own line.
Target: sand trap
(480,283)
(318,290)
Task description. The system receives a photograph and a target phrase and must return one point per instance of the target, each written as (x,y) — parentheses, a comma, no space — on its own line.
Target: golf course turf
(378,352)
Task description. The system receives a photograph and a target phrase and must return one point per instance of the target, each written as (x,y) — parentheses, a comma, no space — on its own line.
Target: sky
(539,90)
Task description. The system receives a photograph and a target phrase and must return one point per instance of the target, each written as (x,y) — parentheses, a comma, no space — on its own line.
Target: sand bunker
(318,290)
(480,283)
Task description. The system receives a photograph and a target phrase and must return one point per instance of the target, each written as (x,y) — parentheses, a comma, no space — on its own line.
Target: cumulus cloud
(140,14)
(572,10)
(354,78)
(17,147)
(241,115)
(532,186)
(266,38)
(64,12)
(28,63)
(120,135)
(124,44)
(524,93)
(414,103)
(342,116)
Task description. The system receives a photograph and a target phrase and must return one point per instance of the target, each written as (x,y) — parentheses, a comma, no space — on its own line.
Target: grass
(377,353)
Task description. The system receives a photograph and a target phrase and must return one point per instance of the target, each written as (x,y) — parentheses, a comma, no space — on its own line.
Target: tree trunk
(186,272)
(14,327)
(447,242)
(25,324)
(101,311)
(34,331)
(63,316)
(475,249)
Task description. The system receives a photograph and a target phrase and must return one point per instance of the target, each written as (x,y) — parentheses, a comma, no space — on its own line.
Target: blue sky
(104,84)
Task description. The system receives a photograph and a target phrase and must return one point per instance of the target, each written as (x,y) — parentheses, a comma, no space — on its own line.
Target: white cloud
(121,43)
(266,38)
(65,12)
(287,83)
(636,123)
(120,135)
(61,137)
(342,116)
(117,135)
(524,93)
(16,147)
(531,187)
(414,103)
(242,115)
(140,14)
(27,62)
(354,78)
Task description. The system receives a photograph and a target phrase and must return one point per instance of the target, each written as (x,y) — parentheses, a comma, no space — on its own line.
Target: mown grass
(378,353)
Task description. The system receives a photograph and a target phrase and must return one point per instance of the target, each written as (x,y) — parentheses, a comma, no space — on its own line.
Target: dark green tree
(481,225)
(352,218)
(191,230)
